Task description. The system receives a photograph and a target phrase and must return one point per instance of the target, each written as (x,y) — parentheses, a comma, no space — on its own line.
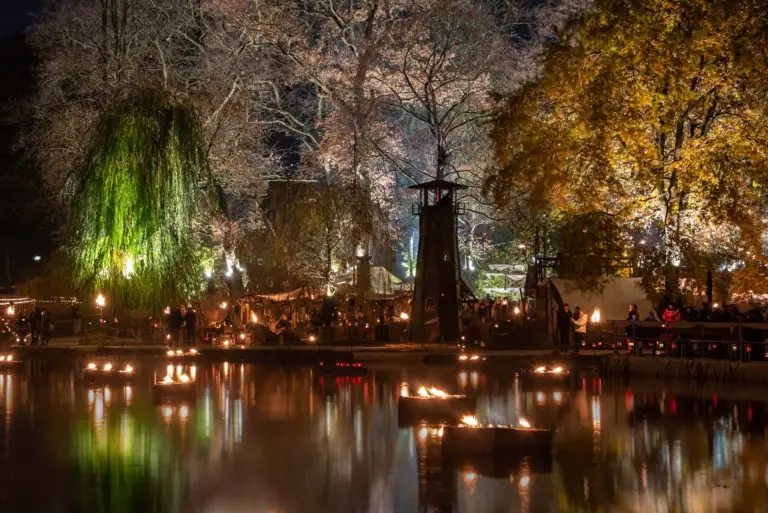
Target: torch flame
(524,423)
(596,315)
(469,420)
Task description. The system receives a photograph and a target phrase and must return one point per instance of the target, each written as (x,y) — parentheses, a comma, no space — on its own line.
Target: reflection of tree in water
(123,463)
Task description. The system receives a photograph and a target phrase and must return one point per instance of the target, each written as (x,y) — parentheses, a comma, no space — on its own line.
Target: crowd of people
(38,325)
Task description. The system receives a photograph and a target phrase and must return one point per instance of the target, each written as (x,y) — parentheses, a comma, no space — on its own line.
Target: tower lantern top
(436,192)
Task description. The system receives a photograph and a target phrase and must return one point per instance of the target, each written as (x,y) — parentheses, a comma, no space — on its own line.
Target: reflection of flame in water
(540,397)
(469,478)
(193,372)
(463,380)
(557,396)
(474,379)
(107,395)
(91,397)
(128,392)
(167,413)
(184,412)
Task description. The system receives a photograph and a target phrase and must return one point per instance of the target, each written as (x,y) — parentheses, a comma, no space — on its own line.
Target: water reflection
(284,440)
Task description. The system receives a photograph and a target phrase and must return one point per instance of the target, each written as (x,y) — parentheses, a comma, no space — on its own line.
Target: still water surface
(267,439)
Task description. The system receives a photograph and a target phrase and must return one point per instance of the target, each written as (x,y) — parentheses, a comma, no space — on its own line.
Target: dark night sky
(25,227)
(16,15)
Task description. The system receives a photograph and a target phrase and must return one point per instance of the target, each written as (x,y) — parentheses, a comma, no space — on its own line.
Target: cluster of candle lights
(107,368)
(179,352)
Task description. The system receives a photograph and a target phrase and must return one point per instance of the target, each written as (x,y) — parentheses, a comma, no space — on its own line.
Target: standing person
(190,323)
(633,315)
(175,320)
(46,327)
(579,322)
(671,314)
(564,326)
(35,320)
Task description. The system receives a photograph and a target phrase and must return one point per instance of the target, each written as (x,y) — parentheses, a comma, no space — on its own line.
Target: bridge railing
(736,341)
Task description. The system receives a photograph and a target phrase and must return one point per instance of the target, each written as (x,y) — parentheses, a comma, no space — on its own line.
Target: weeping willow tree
(139,193)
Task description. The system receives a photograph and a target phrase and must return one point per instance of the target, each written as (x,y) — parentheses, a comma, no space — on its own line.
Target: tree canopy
(137,200)
(653,113)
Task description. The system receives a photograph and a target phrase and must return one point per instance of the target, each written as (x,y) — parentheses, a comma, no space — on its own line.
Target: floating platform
(8,361)
(351,369)
(115,375)
(434,409)
(174,390)
(499,442)
(181,355)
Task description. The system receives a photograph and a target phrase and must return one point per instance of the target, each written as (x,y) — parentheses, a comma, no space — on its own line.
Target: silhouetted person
(175,320)
(633,315)
(190,323)
(564,326)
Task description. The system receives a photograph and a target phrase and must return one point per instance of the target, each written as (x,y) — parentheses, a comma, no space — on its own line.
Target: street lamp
(101,302)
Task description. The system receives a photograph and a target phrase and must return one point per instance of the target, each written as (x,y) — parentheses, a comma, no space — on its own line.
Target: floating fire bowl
(180,354)
(8,360)
(342,368)
(470,360)
(173,388)
(547,373)
(470,438)
(434,405)
(108,373)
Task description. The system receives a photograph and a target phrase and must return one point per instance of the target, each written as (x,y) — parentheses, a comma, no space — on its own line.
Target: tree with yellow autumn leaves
(652,113)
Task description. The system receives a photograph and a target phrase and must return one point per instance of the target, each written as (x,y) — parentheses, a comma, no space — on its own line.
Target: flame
(437,392)
(404,316)
(168,380)
(193,351)
(92,366)
(10,357)
(423,392)
(128,368)
(463,357)
(2,358)
(404,390)
(524,423)
(170,352)
(541,370)
(107,367)
(557,370)
(469,420)
(254,319)
(475,357)
(179,352)
(516,310)
(184,378)
(596,315)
